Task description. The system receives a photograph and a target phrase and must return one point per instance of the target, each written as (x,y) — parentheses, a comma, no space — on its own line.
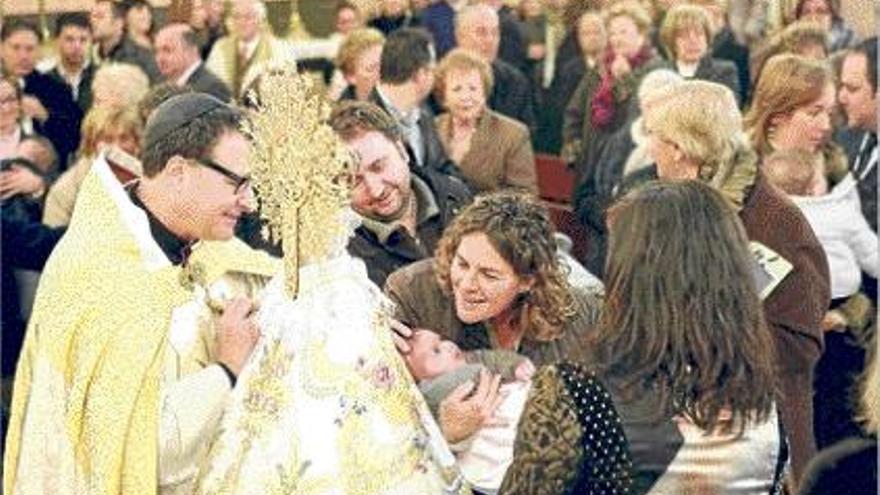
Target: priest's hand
(237,334)
(462,413)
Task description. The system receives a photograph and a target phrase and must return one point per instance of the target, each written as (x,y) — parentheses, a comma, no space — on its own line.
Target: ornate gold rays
(300,168)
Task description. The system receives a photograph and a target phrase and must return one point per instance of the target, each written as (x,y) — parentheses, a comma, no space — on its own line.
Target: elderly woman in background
(792,108)
(118,85)
(599,116)
(686,36)
(491,151)
(497,282)
(628,146)
(683,333)
(357,64)
(102,127)
(695,131)
(603,102)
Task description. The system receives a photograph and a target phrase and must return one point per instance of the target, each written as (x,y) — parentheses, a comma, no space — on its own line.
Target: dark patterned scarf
(603,105)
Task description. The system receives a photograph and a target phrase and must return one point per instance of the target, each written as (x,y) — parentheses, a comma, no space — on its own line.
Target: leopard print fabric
(569,440)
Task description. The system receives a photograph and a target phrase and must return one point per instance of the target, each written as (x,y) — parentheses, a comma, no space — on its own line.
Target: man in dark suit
(406,78)
(47,103)
(858,98)
(477,28)
(179,61)
(512,48)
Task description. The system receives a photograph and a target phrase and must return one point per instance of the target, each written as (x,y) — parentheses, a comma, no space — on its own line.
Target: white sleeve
(864,246)
(191,410)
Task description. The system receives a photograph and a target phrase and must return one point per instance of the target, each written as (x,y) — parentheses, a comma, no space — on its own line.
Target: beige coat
(500,154)
(62,195)
(239,75)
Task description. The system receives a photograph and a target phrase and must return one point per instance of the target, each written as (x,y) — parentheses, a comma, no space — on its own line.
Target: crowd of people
(719,335)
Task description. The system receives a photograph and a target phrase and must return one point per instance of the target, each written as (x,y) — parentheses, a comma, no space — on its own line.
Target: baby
(439,367)
(836,218)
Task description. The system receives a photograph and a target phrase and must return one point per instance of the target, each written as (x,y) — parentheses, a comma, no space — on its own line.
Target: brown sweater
(794,309)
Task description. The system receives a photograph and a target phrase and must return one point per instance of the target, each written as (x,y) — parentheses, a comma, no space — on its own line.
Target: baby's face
(430,356)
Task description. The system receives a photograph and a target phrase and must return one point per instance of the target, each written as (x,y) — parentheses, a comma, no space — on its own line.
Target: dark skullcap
(176,112)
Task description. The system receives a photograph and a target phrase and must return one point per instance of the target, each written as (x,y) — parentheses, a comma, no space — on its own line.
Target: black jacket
(512,94)
(513,48)
(720,71)
(129,52)
(725,47)
(62,126)
(25,245)
(433,151)
(205,81)
(401,249)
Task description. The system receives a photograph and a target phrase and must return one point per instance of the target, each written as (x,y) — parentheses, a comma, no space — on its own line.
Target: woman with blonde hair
(357,64)
(695,132)
(792,108)
(103,127)
(497,282)
(119,85)
(492,151)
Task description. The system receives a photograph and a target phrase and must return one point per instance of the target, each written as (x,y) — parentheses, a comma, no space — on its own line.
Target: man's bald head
(477,30)
(177,49)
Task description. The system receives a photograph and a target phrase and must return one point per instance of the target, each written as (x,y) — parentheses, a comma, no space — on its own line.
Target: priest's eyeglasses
(241,182)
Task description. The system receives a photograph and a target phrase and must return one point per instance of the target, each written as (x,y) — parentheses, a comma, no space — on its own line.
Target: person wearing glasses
(136,338)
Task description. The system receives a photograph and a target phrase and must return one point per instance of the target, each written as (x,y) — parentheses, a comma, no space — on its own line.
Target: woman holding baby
(496,287)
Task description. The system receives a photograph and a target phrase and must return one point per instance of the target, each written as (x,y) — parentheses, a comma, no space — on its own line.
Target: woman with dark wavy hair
(684,347)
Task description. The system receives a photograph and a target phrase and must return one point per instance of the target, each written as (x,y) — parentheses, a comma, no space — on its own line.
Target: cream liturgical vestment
(325,405)
(115,391)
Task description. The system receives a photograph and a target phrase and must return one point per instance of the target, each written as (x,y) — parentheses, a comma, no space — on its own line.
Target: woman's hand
(620,67)
(401,334)
(19,180)
(524,370)
(461,416)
